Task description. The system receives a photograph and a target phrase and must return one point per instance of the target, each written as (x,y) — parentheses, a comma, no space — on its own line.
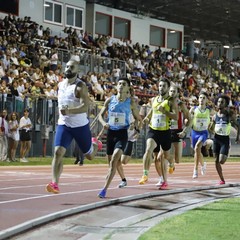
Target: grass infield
(98,160)
(215,221)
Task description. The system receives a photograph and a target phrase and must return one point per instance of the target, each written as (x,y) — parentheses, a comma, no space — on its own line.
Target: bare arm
(212,124)
(188,119)
(102,112)
(235,124)
(135,112)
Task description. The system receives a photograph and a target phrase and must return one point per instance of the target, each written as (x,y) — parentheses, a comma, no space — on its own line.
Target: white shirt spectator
(14,60)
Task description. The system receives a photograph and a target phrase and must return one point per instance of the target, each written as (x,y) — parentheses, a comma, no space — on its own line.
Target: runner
(177,133)
(119,108)
(199,134)
(163,109)
(73,123)
(221,124)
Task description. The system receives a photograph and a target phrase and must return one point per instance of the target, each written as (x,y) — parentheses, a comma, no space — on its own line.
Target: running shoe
(171,168)
(122,184)
(143,180)
(159,182)
(164,186)
(204,168)
(195,174)
(221,182)
(52,187)
(24,160)
(98,142)
(102,194)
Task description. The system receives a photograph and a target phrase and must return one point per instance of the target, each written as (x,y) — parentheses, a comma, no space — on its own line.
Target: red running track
(23,196)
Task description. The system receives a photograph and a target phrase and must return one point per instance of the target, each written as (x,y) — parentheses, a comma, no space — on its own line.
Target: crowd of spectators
(30,67)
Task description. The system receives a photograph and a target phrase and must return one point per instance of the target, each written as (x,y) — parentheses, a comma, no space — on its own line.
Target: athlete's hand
(106,126)
(162,109)
(145,120)
(64,111)
(181,134)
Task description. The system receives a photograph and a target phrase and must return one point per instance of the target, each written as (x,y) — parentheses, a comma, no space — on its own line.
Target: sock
(124,179)
(145,172)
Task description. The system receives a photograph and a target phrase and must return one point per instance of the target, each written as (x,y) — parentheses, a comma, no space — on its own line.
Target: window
(103,24)
(157,36)
(53,12)
(174,39)
(121,28)
(74,17)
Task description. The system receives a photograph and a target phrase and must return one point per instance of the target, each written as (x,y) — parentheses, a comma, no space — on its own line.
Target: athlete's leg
(177,151)
(113,166)
(57,163)
(147,157)
(198,158)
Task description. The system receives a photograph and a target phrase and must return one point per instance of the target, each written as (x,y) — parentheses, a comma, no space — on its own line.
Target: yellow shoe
(171,168)
(143,180)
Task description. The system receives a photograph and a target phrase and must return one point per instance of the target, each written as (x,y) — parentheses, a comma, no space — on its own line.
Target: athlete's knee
(124,159)
(59,151)
(198,147)
(222,161)
(148,153)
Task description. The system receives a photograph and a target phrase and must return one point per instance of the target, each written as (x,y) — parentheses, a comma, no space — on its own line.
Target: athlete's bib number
(159,120)
(201,124)
(117,119)
(221,129)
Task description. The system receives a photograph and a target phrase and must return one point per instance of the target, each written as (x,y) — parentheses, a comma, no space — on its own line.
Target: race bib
(117,119)
(159,120)
(221,129)
(201,124)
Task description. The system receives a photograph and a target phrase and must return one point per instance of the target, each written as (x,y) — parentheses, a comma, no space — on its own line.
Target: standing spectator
(116,73)
(4,90)
(3,135)
(40,31)
(25,126)
(13,136)
(54,60)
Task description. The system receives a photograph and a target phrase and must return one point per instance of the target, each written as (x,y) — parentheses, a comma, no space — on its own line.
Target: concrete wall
(140,26)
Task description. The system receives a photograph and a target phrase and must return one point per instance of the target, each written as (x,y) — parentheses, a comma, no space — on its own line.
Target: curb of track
(28,225)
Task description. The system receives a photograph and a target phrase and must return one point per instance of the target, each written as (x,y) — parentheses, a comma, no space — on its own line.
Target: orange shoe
(52,188)
(171,168)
